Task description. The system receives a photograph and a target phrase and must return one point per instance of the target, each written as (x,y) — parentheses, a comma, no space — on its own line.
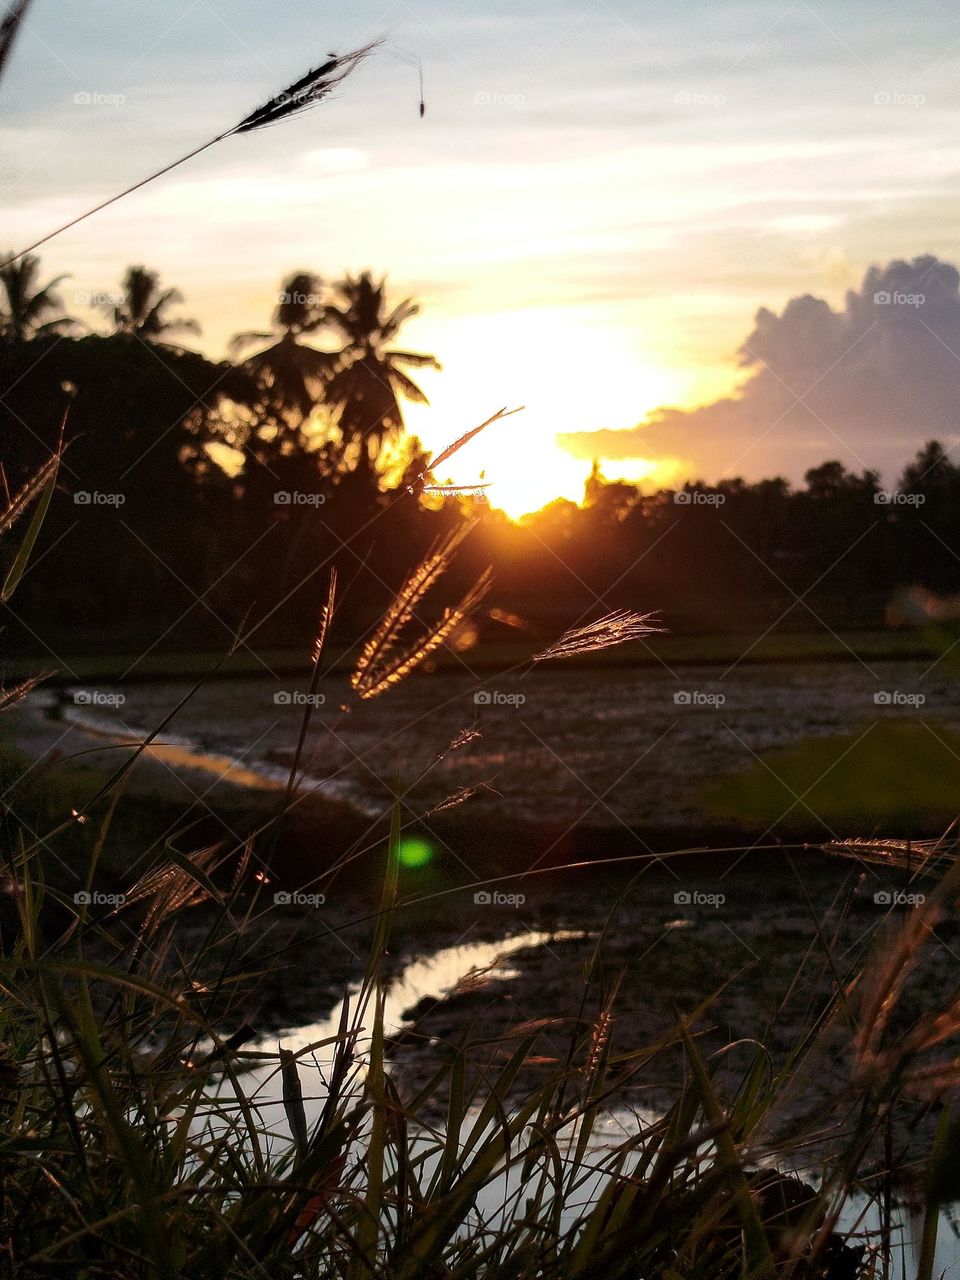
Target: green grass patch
(897,776)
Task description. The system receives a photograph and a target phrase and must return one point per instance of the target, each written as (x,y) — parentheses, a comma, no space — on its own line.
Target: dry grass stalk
(465,793)
(19,503)
(383,663)
(172,886)
(928,1084)
(15,692)
(305,92)
(420,482)
(615,628)
(325,616)
(441,490)
(599,1036)
(461,740)
(377,678)
(882,984)
(9,28)
(919,856)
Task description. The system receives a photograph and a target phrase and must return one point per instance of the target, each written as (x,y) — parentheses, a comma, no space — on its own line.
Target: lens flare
(415,852)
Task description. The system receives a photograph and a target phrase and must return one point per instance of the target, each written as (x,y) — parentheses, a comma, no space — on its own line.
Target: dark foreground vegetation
(150,1130)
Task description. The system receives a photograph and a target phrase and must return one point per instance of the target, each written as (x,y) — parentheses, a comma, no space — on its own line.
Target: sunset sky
(599,200)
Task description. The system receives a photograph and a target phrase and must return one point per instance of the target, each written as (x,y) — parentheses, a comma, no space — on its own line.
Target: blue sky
(599,199)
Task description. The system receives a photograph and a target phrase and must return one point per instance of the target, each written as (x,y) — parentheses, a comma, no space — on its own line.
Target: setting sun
(538,359)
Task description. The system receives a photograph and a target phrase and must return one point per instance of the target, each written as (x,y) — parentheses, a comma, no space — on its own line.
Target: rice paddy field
(813,750)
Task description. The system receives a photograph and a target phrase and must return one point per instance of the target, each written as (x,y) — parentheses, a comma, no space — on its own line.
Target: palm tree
(143,309)
(26,302)
(370,380)
(291,373)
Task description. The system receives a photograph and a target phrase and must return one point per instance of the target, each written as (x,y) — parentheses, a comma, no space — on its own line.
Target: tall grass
(134,1143)
(138,1140)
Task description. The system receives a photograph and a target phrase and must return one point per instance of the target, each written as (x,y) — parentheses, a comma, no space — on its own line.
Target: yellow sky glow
(541,359)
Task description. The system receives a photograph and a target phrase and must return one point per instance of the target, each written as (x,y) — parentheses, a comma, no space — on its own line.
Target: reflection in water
(437,975)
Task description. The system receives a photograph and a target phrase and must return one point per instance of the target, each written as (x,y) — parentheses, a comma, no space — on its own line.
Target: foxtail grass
(150,1132)
(613,629)
(387,658)
(10,28)
(307,91)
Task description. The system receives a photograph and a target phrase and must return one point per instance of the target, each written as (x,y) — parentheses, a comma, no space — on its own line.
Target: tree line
(196,493)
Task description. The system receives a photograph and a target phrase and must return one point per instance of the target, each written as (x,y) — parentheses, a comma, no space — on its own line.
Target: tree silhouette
(143,309)
(370,380)
(932,473)
(26,303)
(832,480)
(291,373)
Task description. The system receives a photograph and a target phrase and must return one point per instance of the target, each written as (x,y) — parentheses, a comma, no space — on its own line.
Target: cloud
(867,384)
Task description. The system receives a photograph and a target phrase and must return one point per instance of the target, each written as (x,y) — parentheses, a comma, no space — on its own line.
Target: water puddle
(435,976)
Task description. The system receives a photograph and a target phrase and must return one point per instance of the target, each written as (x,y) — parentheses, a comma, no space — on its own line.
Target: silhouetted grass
(135,1143)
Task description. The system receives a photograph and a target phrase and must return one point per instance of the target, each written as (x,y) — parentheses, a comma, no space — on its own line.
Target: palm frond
(416,359)
(407,387)
(241,340)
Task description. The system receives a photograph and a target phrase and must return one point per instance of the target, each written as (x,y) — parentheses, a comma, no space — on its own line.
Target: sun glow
(569,373)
